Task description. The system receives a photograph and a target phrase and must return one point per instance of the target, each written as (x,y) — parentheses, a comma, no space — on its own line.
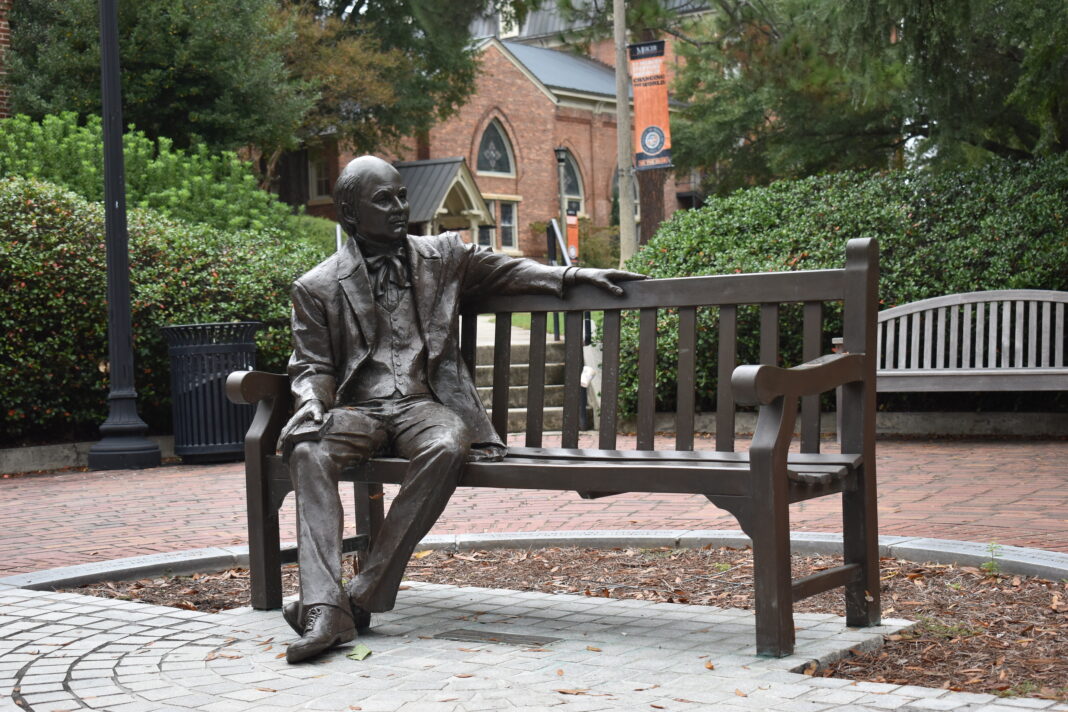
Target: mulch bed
(977,630)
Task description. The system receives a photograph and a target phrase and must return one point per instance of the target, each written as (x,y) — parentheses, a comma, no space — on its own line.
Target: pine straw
(977,631)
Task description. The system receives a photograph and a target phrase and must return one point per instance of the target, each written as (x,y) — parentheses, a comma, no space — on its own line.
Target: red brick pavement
(1011,492)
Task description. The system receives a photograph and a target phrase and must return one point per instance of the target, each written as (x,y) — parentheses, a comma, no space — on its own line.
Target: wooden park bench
(1005,340)
(756,486)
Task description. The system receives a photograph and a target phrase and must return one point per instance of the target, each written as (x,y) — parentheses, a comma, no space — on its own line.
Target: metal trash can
(207,426)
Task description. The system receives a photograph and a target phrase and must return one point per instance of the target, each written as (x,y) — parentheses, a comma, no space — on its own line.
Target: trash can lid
(228,332)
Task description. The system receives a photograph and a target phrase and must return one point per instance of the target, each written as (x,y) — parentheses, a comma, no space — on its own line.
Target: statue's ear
(349,216)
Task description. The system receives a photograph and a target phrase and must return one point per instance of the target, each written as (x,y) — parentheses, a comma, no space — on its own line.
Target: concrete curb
(1009,559)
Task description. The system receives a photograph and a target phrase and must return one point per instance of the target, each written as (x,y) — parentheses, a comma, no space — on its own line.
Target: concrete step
(517,396)
(552,419)
(554,351)
(518,374)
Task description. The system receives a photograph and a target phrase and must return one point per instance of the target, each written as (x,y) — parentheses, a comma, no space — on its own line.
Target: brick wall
(5,42)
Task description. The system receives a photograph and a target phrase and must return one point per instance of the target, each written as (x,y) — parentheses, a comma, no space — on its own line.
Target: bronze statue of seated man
(376,369)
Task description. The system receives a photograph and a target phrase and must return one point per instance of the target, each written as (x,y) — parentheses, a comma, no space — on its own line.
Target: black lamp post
(561,174)
(123,444)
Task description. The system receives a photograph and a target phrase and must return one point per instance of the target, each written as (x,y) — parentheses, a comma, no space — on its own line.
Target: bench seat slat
(794,458)
(598,476)
(973,379)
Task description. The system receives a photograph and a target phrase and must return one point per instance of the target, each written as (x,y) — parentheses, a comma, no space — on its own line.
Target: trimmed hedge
(54,323)
(1003,226)
(218,189)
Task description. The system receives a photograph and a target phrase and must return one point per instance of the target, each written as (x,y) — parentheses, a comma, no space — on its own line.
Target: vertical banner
(652,131)
(572,235)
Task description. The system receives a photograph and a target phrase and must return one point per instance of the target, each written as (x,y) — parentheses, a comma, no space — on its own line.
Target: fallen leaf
(580,691)
(709,665)
(593,649)
(560,673)
(422,554)
(280,655)
(464,675)
(656,707)
(740,693)
(266,689)
(354,707)
(358,652)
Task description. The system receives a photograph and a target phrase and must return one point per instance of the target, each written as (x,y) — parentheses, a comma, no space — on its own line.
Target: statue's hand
(605,279)
(312,410)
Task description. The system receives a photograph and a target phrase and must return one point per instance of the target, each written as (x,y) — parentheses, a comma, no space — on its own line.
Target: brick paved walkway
(1014,493)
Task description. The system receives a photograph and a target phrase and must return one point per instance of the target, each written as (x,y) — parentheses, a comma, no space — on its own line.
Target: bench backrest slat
(1018,329)
(646,377)
(726,361)
(468,339)
(1032,335)
(966,349)
(811,348)
(1058,337)
(687,379)
(572,376)
(980,335)
(536,380)
(502,365)
(609,379)
(954,326)
(769,334)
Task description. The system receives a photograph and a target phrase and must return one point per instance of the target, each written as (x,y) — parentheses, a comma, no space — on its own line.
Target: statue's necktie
(389,275)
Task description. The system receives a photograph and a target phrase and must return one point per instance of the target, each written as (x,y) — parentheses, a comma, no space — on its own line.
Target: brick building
(529,100)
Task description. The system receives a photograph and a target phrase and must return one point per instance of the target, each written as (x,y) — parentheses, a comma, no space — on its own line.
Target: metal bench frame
(757,486)
(1003,340)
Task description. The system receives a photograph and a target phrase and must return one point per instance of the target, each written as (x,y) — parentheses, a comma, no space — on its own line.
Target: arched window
(495,151)
(573,192)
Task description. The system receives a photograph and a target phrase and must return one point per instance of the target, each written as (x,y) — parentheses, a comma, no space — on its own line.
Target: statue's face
(382,206)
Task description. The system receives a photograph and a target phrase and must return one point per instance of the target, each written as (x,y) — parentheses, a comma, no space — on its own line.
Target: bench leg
(370,511)
(264,561)
(772,584)
(861,546)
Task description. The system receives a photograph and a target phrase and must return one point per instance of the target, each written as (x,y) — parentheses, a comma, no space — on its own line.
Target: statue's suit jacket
(334,321)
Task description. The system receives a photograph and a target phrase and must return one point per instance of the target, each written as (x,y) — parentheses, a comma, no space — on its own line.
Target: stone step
(517,396)
(552,419)
(554,352)
(518,374)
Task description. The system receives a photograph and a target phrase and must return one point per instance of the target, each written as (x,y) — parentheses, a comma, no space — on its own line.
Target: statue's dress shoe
(324,627)
(291,613)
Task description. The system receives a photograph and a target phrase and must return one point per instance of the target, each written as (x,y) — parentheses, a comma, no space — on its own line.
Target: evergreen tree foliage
(208,71)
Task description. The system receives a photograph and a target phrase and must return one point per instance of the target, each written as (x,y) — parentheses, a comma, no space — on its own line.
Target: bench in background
(1005,340)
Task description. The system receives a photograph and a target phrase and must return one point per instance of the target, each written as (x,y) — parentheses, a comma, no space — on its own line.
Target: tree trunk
(651,196)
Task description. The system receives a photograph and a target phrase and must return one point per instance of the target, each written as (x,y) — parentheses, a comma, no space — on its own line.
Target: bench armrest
(760,385)
(253,386)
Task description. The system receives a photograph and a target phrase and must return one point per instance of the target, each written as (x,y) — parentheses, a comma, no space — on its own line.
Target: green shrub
(217,189)
(1004,226)
(54,323)
(320,233)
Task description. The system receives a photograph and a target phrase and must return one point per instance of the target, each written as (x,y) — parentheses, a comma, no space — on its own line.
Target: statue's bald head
(347,187)
(371,200)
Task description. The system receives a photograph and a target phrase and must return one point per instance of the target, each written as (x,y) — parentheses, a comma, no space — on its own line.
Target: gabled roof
(429,183)
(563,70)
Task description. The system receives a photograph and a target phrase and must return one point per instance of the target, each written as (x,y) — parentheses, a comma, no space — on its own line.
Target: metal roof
(428,183)
(563,70)
(549,21)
